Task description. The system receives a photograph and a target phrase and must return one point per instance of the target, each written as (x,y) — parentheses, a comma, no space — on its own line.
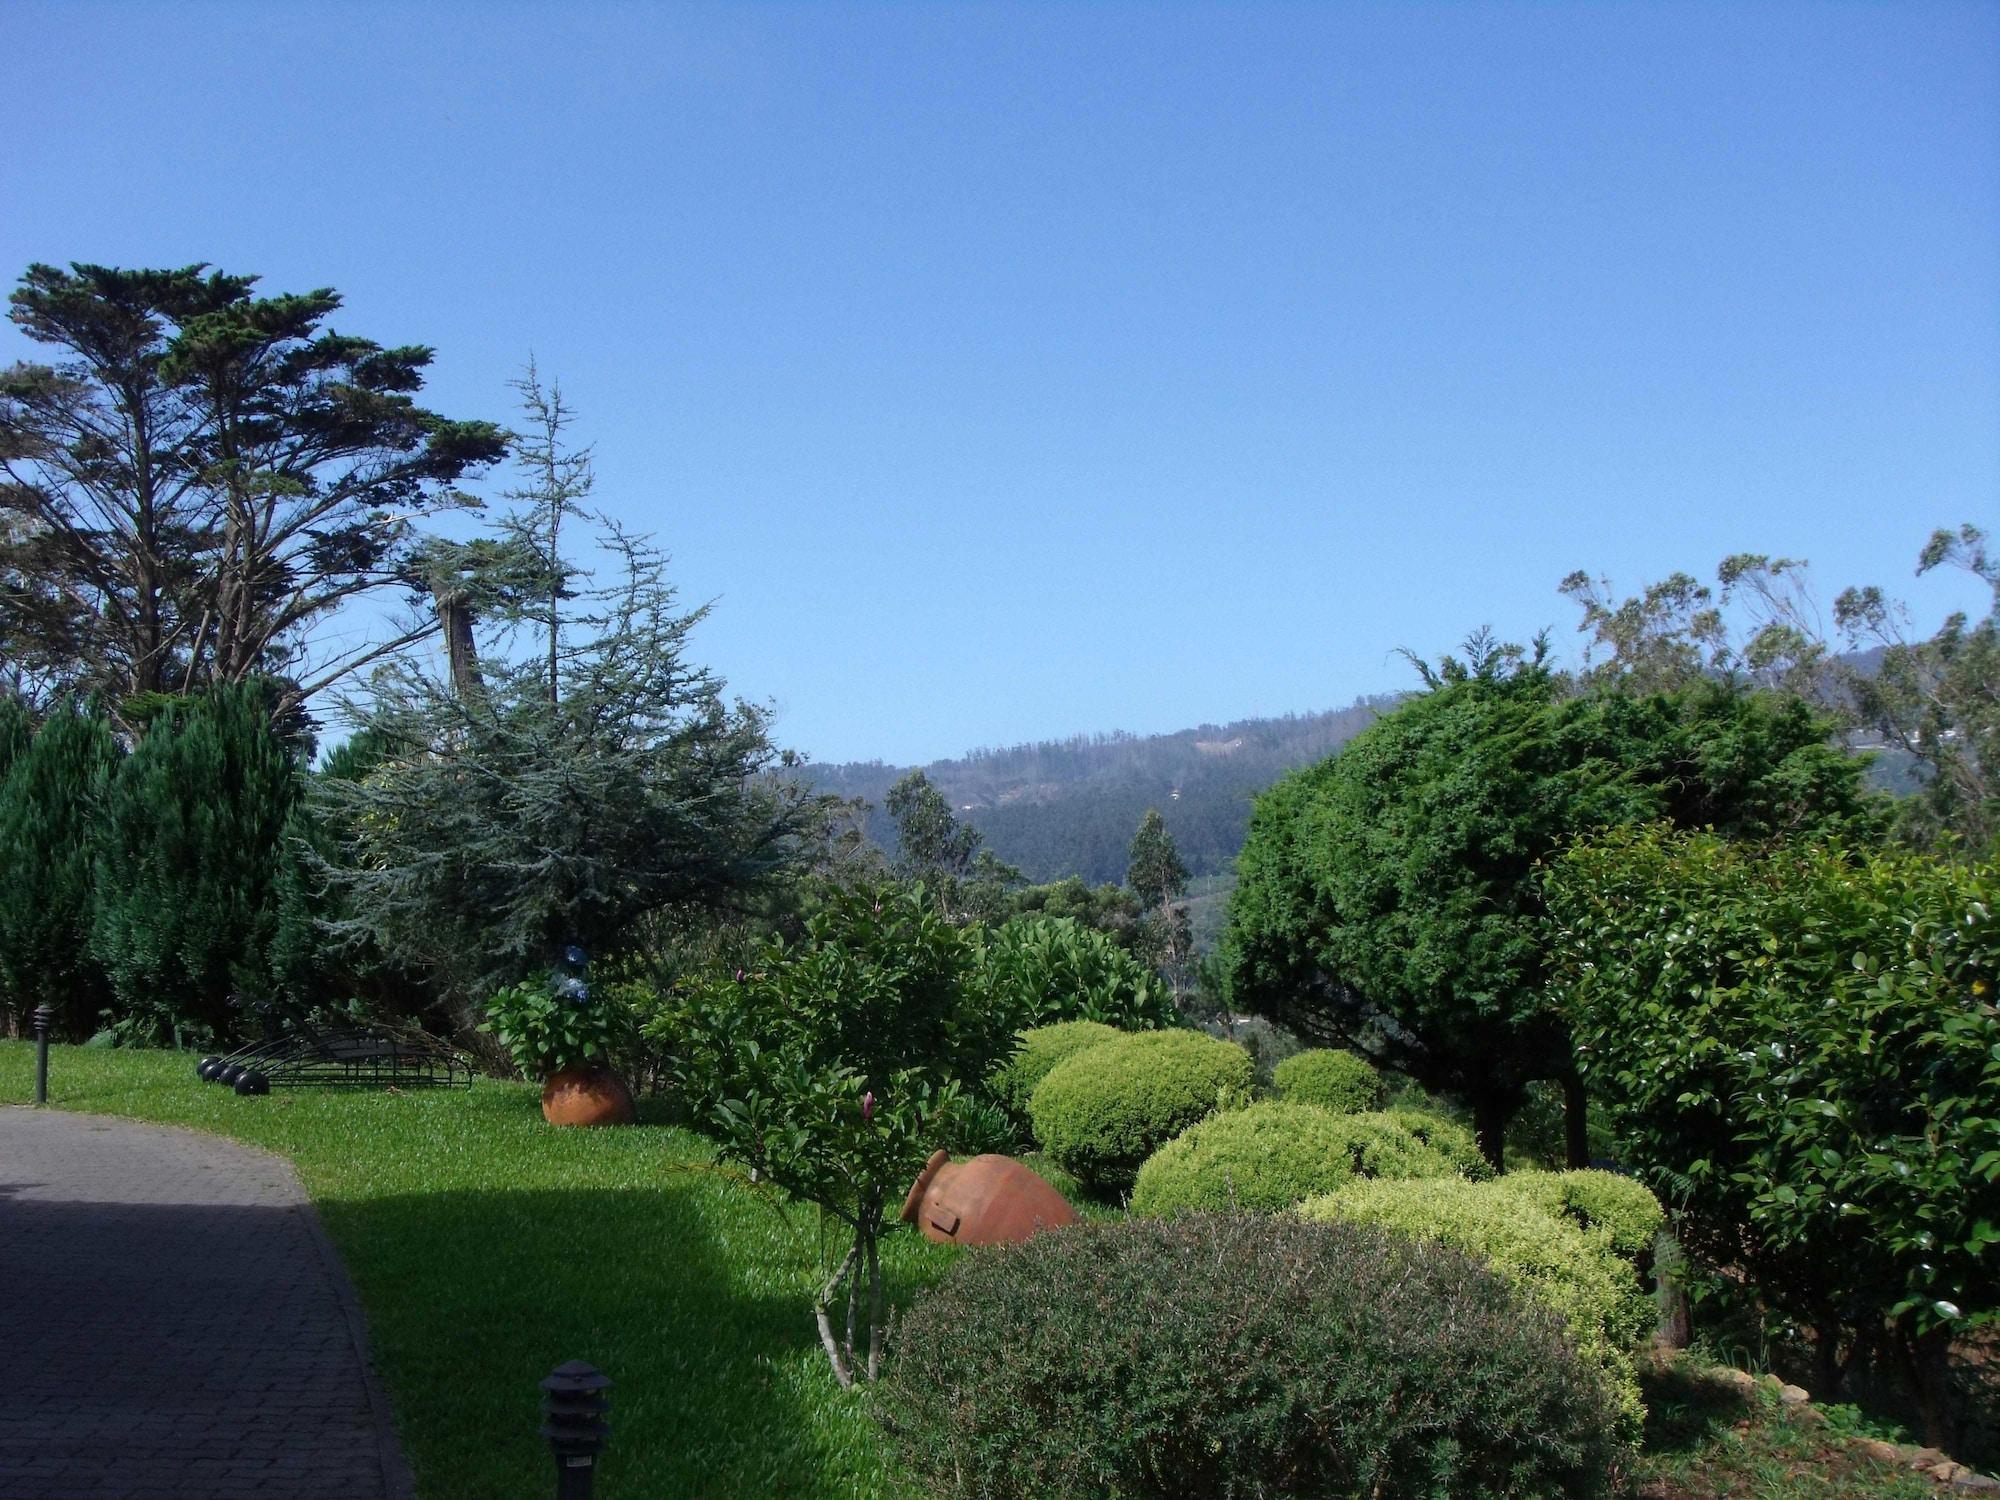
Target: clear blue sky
(1006,372)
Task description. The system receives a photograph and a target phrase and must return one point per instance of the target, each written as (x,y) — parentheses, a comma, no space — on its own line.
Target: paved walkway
(173,1324)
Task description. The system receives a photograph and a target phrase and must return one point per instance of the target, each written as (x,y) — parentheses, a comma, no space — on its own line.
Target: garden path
(174,1324)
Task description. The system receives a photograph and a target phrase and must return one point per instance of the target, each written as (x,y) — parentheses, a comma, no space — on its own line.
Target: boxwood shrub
(1104,1110)
(1331,1078)
(1277,1154)
(1570,1270)
(1038,1050)
(1214,1355)
(1448,1138)
(1620,1209)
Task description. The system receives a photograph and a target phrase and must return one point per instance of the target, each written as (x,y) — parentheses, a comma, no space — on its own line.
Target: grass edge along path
(487,1247)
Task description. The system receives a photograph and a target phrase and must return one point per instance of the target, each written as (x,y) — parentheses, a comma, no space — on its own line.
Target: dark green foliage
(1110,909)
(1036,1053)
(1159,880)
(205,476)
(1275,1155)
(187,857)
(1039,970)
(17,730)
(1100,1113)
(1332,1078)
(1227,1357)
(48,804)
(1800,1048)
(1389,899)
(500,827)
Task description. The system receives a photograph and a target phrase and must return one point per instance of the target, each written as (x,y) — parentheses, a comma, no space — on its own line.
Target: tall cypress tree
(187,862)
(47,802)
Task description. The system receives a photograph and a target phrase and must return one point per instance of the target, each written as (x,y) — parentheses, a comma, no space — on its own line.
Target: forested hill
(1070,807)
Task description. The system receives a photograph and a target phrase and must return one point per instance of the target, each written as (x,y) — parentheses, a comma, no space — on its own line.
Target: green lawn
(488,1248)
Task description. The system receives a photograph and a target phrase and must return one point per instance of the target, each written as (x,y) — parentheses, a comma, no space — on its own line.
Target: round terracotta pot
(989,1200)
(589,1095)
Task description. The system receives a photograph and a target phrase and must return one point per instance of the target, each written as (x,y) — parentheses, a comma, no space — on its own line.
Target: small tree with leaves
(831,1066)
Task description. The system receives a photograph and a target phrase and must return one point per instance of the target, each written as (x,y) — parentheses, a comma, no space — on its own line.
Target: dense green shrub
(187,864)
(48,806)
(1041,969)
(1103,1111)
(1567,1268)
(1330,1077)
(544,1031)
(1622,1209)
(1036,1053)
(1800,1048)
(1451,1140)
(1223,1356)
(1277,1154)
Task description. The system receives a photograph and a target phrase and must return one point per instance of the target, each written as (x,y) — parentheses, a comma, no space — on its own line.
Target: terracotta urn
(989,1200)
(587,1095)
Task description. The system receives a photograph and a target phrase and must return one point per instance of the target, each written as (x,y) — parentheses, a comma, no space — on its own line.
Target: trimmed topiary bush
(1326,1360)
(1568,1269)
(1622,1210)
(1453,1141)
(1036,1052)
(1275,1155)
(1333,1079)
(1103,1111)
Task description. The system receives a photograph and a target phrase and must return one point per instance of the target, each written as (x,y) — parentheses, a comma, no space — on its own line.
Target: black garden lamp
(574,1406)
(44,1018)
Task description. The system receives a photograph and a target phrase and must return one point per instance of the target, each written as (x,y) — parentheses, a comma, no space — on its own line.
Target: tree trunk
(1576,1121)
(1926,1361)
(1489,1124)
(1676,1329)
(823,1315)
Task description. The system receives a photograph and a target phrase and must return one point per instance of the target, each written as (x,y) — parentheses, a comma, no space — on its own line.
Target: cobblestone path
(174,1325)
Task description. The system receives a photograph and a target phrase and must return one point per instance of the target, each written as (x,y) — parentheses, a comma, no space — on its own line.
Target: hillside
(1070,807)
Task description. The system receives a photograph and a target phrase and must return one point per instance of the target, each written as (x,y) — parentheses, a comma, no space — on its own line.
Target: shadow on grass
(1687,1410)
(719,1388)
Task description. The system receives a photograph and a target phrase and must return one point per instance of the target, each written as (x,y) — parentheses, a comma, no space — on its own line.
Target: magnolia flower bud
(867,1106)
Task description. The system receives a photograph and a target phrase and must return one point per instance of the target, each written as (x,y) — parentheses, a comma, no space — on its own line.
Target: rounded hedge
(1325,1360)
(1568,1269)
(1104,1110)
(1036,1052)
(1275,1155)
(1621,1210)
(1448,1138)
(1340,1081)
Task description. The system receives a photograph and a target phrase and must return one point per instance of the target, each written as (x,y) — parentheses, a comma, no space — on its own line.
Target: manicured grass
(488,1247)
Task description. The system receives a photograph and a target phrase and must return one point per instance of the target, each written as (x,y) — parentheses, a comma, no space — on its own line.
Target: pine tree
(1159,879)
(47,803)
(188,845)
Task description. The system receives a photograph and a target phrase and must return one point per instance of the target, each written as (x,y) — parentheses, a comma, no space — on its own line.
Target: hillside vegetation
(1068,807)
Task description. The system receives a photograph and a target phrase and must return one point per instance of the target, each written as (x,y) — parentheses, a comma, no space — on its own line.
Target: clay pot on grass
(590,1094)
(989,1200)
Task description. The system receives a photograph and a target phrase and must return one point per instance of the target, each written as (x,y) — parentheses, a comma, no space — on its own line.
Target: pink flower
(739,976)
(867,1106)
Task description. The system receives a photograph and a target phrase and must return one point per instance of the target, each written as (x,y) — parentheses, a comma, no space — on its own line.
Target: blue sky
(1006,372)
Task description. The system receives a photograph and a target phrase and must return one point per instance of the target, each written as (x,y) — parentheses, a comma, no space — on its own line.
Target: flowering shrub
(545,1032)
